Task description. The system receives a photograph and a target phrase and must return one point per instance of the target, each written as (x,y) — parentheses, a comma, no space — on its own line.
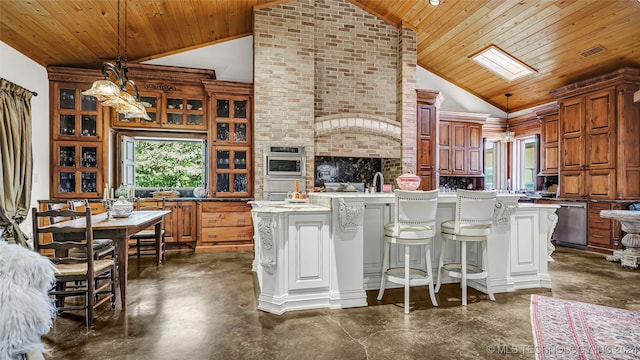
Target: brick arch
(358,124)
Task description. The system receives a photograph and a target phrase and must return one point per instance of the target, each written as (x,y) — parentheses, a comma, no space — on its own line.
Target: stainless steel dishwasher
(571,229)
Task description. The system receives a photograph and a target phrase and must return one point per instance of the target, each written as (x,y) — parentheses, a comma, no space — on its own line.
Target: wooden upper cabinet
(572,134)
(75,116)
(152,101)
(460,148)
(174,98)
(77,157)
(230,137)
(428,103)
(549,140)
(599,139)
(426,137)
(475,149)
(600,129)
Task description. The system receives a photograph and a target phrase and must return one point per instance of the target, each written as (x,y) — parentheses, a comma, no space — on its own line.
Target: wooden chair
(76,276)
(144,242)
(104,248)
(414,225)
(473,222)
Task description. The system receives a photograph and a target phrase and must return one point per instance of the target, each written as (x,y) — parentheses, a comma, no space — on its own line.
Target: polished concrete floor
(204,307)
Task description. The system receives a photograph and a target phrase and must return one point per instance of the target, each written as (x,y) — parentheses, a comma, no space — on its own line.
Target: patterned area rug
(565,329)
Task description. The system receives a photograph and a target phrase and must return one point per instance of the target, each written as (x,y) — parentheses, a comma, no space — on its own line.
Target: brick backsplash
(328,59)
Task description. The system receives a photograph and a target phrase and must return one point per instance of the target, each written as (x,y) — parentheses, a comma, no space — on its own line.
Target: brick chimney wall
(319,61)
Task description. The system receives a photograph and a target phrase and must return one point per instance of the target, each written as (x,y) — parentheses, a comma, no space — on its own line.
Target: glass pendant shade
(103,90)
(507,136)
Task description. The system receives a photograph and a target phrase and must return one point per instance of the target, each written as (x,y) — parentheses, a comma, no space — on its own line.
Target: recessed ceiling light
(502,64)
(437,2)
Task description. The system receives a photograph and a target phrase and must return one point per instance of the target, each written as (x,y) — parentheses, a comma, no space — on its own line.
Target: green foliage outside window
(169,164)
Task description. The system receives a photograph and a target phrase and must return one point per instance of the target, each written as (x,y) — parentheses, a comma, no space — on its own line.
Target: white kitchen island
(328,252)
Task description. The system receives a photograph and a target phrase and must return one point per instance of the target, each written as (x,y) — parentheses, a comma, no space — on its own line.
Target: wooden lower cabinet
(225,226)
(180,225)
(603,235)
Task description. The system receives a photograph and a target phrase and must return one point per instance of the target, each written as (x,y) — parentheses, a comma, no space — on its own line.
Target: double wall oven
(283,167)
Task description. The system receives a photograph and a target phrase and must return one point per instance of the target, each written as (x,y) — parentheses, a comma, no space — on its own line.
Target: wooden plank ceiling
(549,36)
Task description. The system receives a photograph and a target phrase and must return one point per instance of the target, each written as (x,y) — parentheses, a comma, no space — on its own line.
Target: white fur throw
(26,311)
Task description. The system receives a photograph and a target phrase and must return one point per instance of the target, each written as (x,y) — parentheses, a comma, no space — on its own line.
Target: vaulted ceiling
(564,41)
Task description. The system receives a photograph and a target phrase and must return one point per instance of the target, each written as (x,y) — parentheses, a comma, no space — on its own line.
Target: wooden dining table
(119,230)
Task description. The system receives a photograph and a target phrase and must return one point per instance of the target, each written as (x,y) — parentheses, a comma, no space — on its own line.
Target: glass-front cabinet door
(185,112)
(76,116)
(231,120)
(230,171)
(152,103)
(230,139)
(76,170)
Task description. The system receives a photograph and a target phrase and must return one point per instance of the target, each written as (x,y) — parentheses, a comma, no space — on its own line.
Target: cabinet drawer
(596,207)
(598,236)
(226,219)
(220,234)
(595,221)
(208,206)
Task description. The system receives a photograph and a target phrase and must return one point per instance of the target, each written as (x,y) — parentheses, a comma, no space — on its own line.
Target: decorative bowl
(408,181)
(121,208)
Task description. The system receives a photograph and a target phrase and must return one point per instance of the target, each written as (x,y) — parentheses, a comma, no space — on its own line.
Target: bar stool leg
(407,277)
(385,266)
(485,259)
(463,263)
(427,255)
(443,246)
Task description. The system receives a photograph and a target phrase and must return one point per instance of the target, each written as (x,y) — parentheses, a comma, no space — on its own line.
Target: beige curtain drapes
(16,163)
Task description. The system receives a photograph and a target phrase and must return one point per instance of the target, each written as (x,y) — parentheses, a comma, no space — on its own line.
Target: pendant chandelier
(507,136)
(115,94)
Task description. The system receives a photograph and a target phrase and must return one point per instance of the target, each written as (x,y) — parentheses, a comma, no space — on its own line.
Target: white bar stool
(473,222)
(413,225)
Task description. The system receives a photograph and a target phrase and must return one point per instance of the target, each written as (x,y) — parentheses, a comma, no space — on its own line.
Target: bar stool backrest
(416,208)
(474,208)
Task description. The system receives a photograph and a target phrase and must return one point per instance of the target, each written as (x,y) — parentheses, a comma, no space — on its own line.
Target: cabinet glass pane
(240,132)
(149,101)
(121,118)
(222,108)
(194,119)
(88,103)
(222,182)
(89,180)
(194,104)
(67,98)
(222,131)
(240,183)
(68,156)
(175,119)
(89,157)
(240,160)
(89,125)
(240,109)
(67,124)
(173,103)
(222,159)
(67,182)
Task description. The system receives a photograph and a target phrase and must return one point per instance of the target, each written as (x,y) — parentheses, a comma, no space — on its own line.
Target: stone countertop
(283,207)
(166,199)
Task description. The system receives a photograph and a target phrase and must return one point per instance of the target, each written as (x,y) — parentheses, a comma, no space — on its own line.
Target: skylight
(502,64)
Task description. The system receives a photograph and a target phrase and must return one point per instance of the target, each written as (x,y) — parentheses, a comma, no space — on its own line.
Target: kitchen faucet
(381,180)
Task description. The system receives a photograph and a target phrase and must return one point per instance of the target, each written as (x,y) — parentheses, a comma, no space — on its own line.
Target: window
(527,163)
(489,164)
(150,162)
